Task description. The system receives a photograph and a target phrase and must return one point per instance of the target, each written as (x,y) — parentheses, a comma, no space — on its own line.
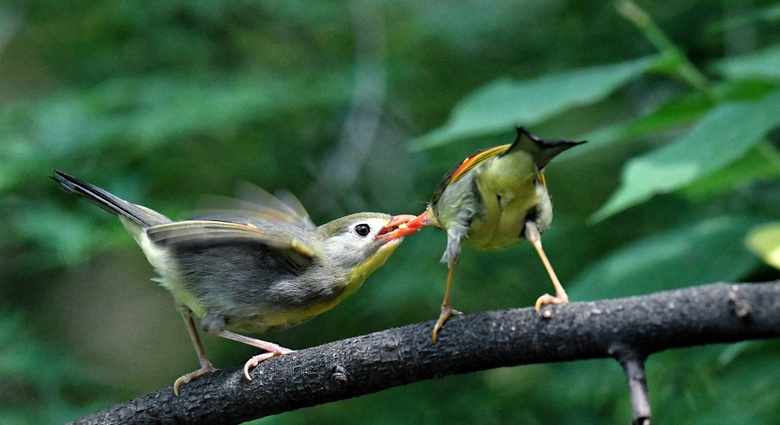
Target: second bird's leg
(205,364)
(446,309)
(533,236)
(271,348)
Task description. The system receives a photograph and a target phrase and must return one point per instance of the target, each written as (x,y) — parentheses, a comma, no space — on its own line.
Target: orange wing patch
(475,160)
(541,179)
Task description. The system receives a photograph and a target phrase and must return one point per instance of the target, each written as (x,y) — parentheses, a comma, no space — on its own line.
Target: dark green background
(363,106)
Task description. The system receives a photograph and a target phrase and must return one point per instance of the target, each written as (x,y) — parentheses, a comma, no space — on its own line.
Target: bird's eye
(362,229)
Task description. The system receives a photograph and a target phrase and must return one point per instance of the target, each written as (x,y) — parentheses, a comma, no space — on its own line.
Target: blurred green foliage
(346,104)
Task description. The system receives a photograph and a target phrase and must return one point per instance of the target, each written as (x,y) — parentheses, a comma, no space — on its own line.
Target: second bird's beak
(402,225)
(397,228)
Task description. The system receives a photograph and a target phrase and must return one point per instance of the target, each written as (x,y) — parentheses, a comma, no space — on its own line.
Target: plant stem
(682,66)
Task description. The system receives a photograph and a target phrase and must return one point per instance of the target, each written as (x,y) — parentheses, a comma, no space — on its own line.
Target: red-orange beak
(402,225)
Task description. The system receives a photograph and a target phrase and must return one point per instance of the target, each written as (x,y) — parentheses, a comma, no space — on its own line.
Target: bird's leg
(271,348)
(446,310)
(205,364)
(533,236)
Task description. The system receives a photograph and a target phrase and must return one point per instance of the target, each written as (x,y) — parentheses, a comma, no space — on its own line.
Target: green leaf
(668,116)
(146,112)
(762,64)
(673,114)
(503,104)
(69,238)
(724,135)
(762,162)
(769,14)
(764,241)
(704,252)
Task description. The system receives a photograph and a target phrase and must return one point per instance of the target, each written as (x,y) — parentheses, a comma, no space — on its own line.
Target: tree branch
(633,365)
(629,329)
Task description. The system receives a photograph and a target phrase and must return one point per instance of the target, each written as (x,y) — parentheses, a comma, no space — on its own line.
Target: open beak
(402,225)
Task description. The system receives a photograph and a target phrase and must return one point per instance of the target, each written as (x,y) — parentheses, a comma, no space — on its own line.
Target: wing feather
(468,164)
(207,232)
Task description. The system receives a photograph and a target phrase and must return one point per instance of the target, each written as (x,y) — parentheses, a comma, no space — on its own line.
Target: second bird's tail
(138,214)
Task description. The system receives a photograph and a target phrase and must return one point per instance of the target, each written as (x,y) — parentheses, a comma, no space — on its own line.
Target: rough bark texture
(627,329)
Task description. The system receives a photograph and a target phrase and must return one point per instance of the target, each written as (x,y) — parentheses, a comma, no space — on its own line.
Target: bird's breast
(508,191)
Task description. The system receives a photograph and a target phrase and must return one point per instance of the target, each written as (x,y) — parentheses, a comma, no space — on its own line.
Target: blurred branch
(363,120)
(628,329)
(10,22)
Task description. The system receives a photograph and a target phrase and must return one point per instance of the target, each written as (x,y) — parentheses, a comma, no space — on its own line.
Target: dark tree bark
(627,329)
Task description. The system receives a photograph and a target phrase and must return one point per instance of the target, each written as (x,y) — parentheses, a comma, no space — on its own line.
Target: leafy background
(358,105)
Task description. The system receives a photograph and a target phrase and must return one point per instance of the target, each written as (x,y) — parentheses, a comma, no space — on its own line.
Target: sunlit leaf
(503,104)
(764,241)
(724,135)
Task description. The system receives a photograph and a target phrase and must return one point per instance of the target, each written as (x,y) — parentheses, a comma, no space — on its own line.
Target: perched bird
(492,200)
(263,266)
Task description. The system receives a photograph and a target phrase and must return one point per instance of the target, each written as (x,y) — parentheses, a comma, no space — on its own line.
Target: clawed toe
(549,299)
(446,313)
(205,370)
(254,361)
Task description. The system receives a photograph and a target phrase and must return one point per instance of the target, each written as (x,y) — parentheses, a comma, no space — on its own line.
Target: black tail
(543,151)
(142,216)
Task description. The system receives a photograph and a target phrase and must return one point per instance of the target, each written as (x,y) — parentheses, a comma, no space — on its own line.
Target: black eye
(362,229)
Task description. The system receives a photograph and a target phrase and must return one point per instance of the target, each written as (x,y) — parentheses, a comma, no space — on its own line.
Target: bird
(262,265)
(492,200)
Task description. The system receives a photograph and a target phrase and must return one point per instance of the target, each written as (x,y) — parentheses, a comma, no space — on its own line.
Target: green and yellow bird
(492,200)
(260,266)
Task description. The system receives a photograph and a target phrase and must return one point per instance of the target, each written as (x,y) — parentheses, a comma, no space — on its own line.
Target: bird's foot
(204,370)
(549,299)
(446,313)
(254,361)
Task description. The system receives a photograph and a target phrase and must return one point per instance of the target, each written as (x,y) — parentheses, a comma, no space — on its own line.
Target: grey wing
(284,241)
(234,270)
(254,202)
(296,209)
